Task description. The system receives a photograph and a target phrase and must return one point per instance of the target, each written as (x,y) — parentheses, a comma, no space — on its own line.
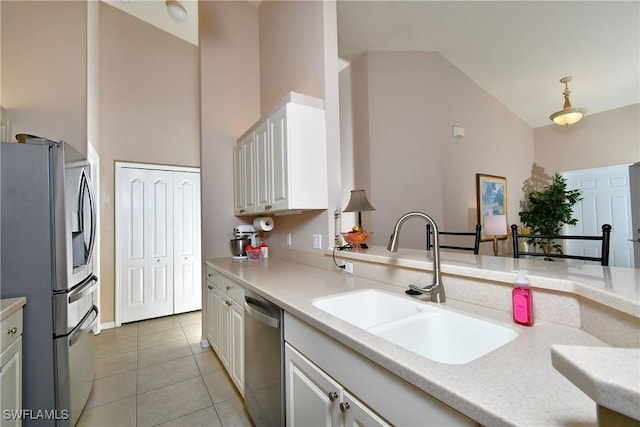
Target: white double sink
(432,332)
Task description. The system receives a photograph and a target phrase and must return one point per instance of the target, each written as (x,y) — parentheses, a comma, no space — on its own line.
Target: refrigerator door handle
(79,330)
(83,289)
(85,185)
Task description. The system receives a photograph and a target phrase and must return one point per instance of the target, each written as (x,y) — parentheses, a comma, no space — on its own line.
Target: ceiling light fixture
(568,115)
(176,10)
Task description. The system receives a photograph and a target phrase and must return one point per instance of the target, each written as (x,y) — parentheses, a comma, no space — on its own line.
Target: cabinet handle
(344,407)
(158,260)
(12,331)
(210,274)
(209,286)
(228,303)
(333,395)
(228,287)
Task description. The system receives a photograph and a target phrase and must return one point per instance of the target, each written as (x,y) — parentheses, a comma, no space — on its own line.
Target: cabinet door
(236,334)
(145,241)
(187,268)
(280,162)
(238,180)
(224,347)
(357,413)
(11,382)
(213,333)
(312,396)
(263,168)
(249,170)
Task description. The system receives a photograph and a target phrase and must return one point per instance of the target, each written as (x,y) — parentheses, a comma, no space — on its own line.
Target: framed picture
(491,194)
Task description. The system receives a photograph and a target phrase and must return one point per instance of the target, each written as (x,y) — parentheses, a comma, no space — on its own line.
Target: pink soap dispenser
(522,300)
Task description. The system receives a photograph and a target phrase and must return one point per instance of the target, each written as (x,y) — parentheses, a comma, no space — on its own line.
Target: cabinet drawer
(233,289)
(210,273)
(11,329)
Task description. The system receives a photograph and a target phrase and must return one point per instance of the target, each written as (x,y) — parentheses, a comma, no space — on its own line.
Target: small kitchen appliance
(238,248)
(244,234)
(246,231)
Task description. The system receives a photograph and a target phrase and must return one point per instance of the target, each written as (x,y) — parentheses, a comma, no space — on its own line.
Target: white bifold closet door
(158,241)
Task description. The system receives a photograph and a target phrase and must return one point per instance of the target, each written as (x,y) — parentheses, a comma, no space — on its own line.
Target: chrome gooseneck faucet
(436,289)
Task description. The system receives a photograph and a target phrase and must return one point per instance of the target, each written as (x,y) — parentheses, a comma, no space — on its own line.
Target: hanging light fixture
(568,115)
(176,10)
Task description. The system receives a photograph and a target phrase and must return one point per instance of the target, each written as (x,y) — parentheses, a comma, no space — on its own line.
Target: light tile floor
(154,373)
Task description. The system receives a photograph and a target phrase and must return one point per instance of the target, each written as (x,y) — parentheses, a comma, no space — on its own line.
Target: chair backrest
(476,235)
(605,238)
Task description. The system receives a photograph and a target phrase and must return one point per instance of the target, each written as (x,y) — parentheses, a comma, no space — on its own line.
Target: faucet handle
(412,291)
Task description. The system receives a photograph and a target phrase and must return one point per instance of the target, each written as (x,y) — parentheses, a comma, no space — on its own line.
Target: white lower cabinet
(329,384)
(225,323)
(11,369)
(314,398)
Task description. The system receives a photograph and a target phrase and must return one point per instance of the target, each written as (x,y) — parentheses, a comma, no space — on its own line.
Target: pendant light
(568,115)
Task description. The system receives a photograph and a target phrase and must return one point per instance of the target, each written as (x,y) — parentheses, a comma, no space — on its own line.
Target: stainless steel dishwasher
(263,361)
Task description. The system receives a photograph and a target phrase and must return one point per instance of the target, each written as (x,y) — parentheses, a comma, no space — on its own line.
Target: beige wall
(230,91)
(44,75)
(402,133)
(149,113)
(605,139)
(299,52)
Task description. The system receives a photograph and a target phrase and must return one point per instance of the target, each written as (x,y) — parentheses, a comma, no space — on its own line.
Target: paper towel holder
(263,223)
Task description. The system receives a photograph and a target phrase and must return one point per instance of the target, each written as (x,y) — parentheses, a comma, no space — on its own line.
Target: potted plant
(547,208)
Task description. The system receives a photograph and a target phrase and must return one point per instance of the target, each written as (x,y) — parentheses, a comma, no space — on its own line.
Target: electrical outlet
(348,266)
(317,241)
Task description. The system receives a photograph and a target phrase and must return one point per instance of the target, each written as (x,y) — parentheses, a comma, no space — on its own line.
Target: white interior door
(145,240)
(634,184)
(606,200)
(186,242)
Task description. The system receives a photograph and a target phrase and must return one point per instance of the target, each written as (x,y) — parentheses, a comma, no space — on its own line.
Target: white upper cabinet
(284,157)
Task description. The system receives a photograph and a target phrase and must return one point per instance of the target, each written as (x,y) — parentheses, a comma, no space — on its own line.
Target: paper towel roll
(263,223)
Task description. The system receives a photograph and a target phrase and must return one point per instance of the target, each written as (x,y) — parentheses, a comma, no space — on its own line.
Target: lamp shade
(495,225)
(358,202)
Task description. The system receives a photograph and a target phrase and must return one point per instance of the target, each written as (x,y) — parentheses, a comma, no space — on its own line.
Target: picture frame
(491,193)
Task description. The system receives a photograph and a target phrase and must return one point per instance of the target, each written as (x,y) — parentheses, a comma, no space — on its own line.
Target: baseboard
(107,325)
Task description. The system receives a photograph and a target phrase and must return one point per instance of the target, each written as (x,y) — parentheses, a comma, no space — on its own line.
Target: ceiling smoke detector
(176,10)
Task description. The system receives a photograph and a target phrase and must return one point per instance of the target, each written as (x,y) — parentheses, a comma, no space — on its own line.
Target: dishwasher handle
(255,308)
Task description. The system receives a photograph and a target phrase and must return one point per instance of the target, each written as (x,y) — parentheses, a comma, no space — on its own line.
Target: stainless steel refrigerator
(48,232)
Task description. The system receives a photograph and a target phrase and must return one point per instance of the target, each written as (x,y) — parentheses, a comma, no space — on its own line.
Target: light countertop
(8,306)
(610,376)
(513,385)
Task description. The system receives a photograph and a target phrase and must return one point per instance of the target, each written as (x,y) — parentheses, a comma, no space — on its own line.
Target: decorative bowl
(356,238)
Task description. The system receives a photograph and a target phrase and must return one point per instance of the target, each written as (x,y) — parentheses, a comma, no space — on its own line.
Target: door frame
(118,172)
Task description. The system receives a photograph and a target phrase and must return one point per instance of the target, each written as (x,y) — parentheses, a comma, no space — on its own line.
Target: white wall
(149,113)
(44,69)
(299,52)
(230,91)
(604,139)
(403,106)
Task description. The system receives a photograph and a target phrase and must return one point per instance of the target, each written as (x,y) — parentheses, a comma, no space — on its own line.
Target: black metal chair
(605,238)
(476,235)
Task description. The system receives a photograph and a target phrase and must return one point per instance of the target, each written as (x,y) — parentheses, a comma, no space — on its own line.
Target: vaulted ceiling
(515,50)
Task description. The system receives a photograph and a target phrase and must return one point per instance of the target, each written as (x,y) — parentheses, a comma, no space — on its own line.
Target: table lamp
(359,203)
(495,225)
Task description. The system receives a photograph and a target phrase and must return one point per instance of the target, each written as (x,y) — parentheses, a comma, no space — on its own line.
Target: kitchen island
(514,385)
